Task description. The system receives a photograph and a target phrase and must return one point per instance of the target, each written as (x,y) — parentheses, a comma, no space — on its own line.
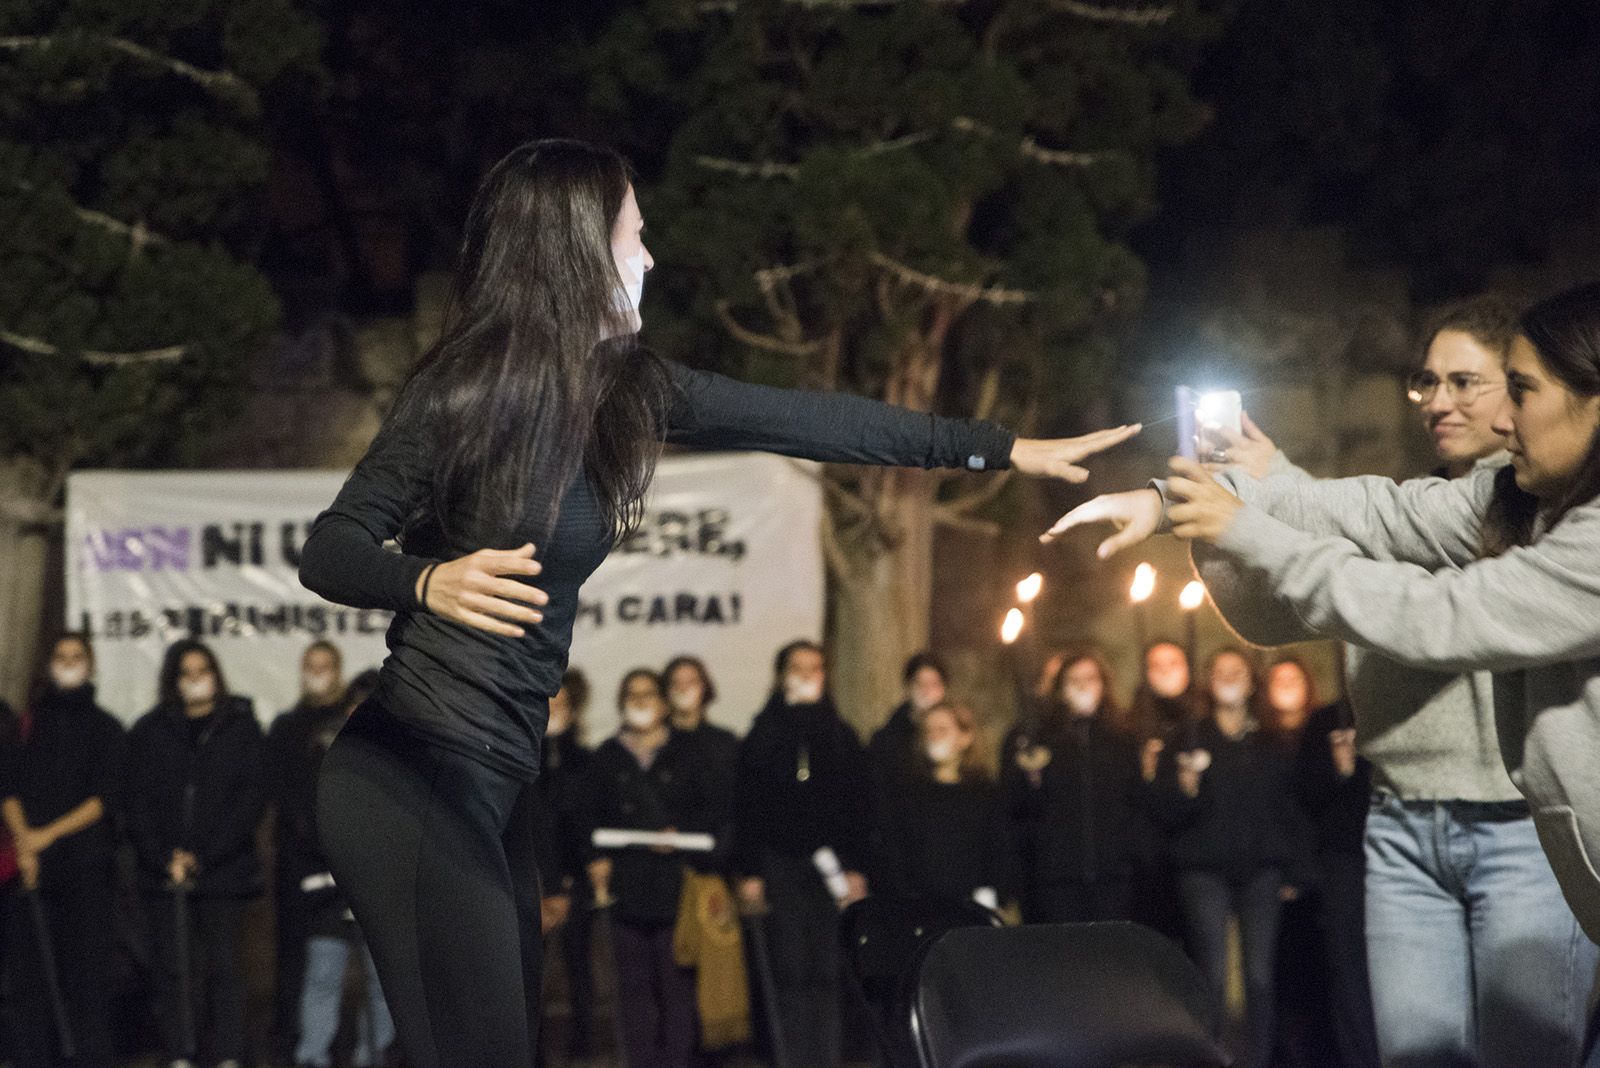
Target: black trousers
(216,969)
(79,915)
(1074,901)
(1342,905)
(803,938)
(416,836)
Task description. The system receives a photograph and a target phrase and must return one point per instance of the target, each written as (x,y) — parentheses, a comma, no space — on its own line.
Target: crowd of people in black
(1202,802)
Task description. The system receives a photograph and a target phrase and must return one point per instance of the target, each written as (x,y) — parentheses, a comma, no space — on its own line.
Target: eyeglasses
(1463,387)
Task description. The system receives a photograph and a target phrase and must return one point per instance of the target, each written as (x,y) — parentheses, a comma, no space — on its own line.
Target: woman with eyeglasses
(1498,571)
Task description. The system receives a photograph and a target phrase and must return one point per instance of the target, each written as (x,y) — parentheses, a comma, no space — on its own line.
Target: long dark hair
(172,664)
(538,372)
(1110,709)
(1565,331)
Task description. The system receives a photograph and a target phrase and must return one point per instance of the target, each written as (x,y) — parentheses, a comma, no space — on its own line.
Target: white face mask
(319,683)
(69,678)
(1083,700)
(197,691)
(800,690)
(1168,683)
(1231,694)
(630,295)
(639,717)
(685,699)
(941,752)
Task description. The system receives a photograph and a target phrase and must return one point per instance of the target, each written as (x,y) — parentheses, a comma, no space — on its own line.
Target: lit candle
(1144,584)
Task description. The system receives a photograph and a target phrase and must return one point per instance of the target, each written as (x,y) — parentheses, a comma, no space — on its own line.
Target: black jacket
(1336,807)
(674,791)
(1079,813)
(558,819)
(893,751)
(205,796)
(1246,817)
(295,746)
(802,783)
(74,751)
(719,756)
(946,840)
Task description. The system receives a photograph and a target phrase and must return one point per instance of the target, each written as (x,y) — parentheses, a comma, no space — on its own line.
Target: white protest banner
(727,566)
(153,557)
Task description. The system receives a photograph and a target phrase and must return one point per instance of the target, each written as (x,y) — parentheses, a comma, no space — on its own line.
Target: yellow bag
(707,939)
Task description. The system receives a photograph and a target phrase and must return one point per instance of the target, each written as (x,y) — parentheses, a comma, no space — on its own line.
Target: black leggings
(417,837)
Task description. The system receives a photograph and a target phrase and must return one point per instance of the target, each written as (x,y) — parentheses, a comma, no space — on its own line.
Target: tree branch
(1128,16)
(138,234)
(987,528)
(765,342)
(102,359)
(996,295)
(219,83)
(966,502)
(749,170)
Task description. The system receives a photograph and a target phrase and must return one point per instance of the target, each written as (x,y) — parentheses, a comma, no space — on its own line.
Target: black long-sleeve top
(74,752)
(674,791)
(1081,810)
(1246,817)
(1336,806)
(946,840)
(199,787)
(802,783)
(485,694)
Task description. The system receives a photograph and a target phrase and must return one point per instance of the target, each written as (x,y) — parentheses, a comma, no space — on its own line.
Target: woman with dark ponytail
(523,445)
(1498,571)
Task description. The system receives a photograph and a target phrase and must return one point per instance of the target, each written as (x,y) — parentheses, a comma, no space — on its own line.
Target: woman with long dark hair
(1499,570)
(1072,786)
(196,793)
(522,445)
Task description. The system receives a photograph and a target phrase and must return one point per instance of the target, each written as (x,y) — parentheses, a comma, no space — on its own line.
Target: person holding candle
(1072,789)
(946,834)
(1237,839)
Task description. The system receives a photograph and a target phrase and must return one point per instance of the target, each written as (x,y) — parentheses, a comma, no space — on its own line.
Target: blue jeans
(326,960)
(1475,958)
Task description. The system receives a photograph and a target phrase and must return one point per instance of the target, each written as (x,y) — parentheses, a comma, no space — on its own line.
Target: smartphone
(1199,412)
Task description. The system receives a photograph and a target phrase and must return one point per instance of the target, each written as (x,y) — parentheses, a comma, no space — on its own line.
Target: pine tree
(132,160)
(921,201)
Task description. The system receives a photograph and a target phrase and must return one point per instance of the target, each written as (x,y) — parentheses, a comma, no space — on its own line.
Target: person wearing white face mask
(196,793)
(60,789)
(647,777)
(1072,788)
(802,786)
(1238,839)
(295,745)
(945,830)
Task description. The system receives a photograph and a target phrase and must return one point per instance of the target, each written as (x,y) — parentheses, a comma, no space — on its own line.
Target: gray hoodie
(1399,572)
(1429,735)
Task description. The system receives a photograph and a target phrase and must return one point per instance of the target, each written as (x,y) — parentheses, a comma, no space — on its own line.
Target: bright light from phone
(1028,589)
(1192,597)
(1144,584)
(1217,409)
(1011,629)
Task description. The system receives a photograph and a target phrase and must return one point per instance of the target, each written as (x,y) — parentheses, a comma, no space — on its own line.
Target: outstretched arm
(712,411)
(1535,605)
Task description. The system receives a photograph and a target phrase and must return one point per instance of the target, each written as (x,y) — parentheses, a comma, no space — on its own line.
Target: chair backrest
(1089,995)
(882,938)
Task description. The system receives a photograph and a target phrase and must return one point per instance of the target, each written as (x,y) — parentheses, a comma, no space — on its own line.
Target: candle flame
(1011,629)
(1193,596)
(1028,589)
(1144,584)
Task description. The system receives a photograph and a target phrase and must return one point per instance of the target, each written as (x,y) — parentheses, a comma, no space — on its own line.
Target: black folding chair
(1089,995)
(881,938)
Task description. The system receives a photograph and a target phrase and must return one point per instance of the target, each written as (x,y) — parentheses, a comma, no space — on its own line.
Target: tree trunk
(882,605)
(26,515)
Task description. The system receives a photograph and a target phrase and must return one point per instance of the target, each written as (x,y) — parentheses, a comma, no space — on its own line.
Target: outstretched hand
(1136,515)
(1059,457)
(1203,510)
